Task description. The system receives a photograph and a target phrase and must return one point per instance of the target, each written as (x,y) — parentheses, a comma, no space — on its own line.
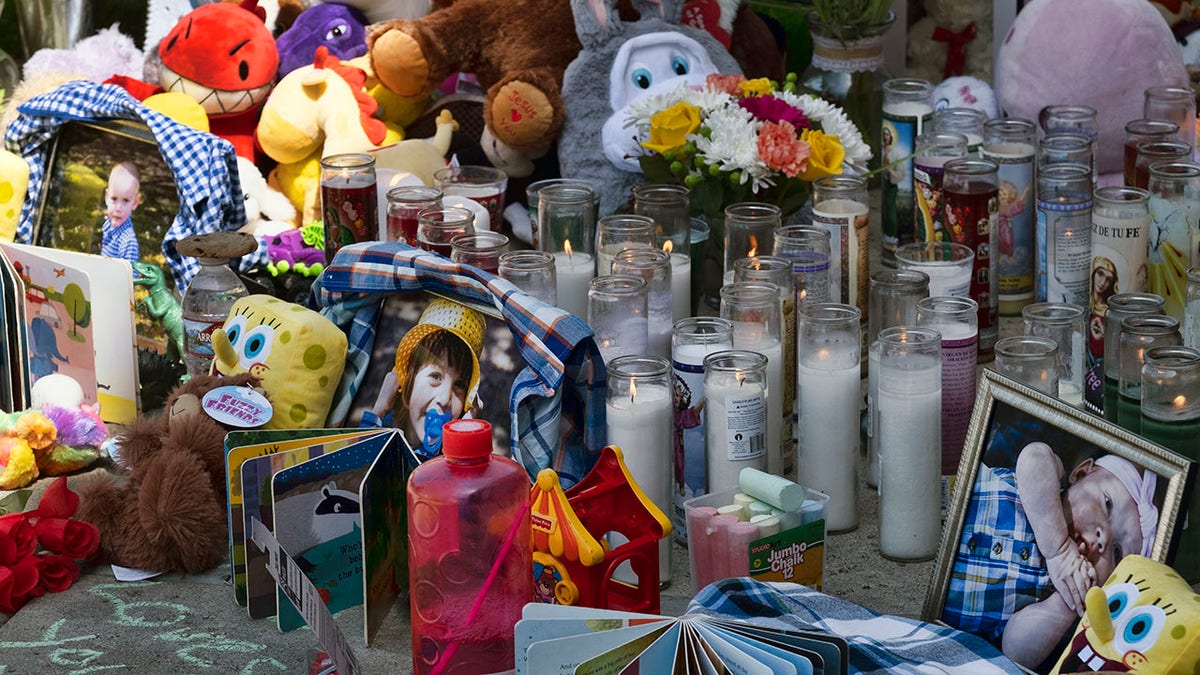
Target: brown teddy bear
(166,513)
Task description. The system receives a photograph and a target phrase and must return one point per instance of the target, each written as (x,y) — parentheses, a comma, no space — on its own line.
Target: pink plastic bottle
(469,554)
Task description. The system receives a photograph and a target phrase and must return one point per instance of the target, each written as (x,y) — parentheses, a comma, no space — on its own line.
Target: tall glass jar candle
(1144,129)
(1010,143)
(533,196)
(693,339)
(1154,151)
(966,121)
(1191,317)
(481,249)
(808,248)
(907,108)
(1075,118)
(1139,334)
(1064,147)
(620,231)
(934,149)
(1032,361)
(1120,307)
(972,218)
(349,205)
(1175,104)
(956,319)
(894,295)
(617,314)
(828,391)
(1064,233)
(669,208)
(910,442)
(735,415)
(757,318)
(638,420)
(567,230)
(531,271)
(840,206)
(439,225)
(1120,242)
(1066,325)
(404,203)
(654,266)
(749,231)
(1174,212)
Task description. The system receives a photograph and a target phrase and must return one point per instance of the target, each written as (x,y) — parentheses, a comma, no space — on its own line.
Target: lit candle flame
(632,389)
(1179,401)
(668,246)
(753,247)
(567,247)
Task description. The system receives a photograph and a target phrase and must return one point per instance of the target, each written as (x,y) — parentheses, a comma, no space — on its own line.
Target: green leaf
(656,169)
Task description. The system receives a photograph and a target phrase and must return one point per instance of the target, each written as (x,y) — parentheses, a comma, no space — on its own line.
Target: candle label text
(691,475)
(1015,220)
(1064,251)
(746,424)
(796,555)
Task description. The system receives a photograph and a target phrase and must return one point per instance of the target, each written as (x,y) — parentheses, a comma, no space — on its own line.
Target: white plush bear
(927,56)
(268,211)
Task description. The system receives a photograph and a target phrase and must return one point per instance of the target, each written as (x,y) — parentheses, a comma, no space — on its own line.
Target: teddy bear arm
(411,58)
(524,108)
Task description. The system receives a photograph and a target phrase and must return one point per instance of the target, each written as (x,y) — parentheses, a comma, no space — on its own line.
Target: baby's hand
(1072,575)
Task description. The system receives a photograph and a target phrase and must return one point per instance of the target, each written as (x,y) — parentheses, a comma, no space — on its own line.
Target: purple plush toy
(340,28)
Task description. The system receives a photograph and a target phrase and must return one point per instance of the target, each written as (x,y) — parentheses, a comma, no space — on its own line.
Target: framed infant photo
(1048,499)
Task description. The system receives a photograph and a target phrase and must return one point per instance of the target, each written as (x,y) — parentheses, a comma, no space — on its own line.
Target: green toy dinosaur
(161,304)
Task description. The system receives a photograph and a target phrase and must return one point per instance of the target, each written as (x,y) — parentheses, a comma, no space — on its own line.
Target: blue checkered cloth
(998,567)
(204,165)
(557,402)
(120,241)
(878,643)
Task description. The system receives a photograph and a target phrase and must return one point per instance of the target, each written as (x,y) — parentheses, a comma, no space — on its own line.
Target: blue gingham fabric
(120,241)
(557,404)
(204,165)
(878,643)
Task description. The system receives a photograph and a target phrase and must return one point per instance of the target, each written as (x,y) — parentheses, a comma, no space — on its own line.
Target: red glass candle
(348,201)
(404,203)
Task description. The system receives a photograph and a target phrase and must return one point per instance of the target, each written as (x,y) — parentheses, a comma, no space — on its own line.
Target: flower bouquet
(740,140)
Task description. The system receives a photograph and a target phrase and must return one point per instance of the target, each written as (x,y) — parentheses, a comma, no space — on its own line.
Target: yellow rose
(669,128)
(827,154)
(756,87)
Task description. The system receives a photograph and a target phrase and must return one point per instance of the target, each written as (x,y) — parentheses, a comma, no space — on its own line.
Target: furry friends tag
(237,407)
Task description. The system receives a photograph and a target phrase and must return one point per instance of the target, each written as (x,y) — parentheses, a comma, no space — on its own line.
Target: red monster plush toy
(223,55)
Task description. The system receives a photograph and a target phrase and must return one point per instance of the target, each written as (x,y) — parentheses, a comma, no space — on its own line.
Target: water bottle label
(197,337)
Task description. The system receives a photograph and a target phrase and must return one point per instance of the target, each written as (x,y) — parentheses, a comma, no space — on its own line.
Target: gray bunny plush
(622,62)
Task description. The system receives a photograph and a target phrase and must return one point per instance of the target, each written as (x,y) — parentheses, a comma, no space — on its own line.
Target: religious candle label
(971,215)
(691,475)
(958,397)
(1168,250)
(350,212)
(790,412)
(1014,218)
(1064,251)
(929,200)
(796,555)
(746,427)
(849,275)
(898,133)
(811,271)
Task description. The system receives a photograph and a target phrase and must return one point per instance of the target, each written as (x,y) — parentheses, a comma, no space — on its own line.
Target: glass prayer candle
(956,319)
(1154,151)
(909,421)
(907,108)
(1010,143)
(1191,317)
(1144,129)
(484,185)
(437,226)
(692,340)
(533,196)
(777,271)
(934,149)
(972,215)
(1066,325)
(1077,119)
(617,232)
(1171,418)
(749,230)
(966,121)
(894,296)
(654,266)
(949,265)
(1063,147)
(700,244)
(1174,104)
(1174,209)
(736,397)
(828,392)
(349,201)
(639,421)
(754,309)
(1032,361)
(403,204)
(617,315)
(840,206)
(808,249)
(531,271)
(1120,241)
(481,249)
(567,230)
(1138,335)
(1120,307)
(669,208)
(1064,233)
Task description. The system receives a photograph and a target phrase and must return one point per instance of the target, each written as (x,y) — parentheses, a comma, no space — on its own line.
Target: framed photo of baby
(1048,500)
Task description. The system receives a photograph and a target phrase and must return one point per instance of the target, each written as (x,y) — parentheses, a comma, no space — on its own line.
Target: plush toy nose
(226,358)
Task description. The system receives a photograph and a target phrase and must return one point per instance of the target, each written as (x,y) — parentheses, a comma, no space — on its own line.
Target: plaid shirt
(998,567)
(120,241)
(878,643)
(557,400)
(204,165)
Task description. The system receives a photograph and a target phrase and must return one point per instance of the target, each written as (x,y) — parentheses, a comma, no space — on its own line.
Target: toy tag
(237,407)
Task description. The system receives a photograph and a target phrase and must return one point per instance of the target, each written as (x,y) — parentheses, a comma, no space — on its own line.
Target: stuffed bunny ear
(596,21)
(670,11)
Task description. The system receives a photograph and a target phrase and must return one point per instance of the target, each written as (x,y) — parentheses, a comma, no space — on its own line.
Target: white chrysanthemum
(834,122)
(732,144)
(642,109)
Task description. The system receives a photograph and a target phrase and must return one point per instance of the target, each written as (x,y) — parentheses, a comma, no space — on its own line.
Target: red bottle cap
(467,439)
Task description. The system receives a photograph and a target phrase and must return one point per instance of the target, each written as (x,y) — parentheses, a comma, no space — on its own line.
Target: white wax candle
(573,273)
(627,337)
(910,439)
(641,426)
(681,286)
(658,333)
(605,255)
(691,473)
(847,223)
(735,425)
(828,436)
(748,336)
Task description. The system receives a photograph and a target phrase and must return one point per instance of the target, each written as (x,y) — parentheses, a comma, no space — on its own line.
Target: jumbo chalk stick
(767,525)
(775,490)
(699,544)
(741,535)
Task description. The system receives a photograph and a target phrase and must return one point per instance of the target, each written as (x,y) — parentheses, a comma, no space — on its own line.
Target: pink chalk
(699,545)
(740,534)
(719,544)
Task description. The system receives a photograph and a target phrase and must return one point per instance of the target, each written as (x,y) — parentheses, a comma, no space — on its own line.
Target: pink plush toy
(1102,53)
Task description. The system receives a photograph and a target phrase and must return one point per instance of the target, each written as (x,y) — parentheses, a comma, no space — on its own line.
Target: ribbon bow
(956,43)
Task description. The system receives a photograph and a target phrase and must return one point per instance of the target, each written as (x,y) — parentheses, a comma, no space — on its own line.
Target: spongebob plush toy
(1144,620)
(296,354)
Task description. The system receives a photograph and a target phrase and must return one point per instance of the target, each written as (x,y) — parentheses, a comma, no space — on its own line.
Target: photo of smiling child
(435,378)
(121,198)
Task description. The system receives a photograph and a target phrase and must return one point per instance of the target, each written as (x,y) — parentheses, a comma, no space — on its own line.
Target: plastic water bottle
(469,554)
(206,304)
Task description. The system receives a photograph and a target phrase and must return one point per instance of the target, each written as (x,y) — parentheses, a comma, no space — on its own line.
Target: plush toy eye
(642,78)
(1140,630)
(258,344)
(1120,598)
(337,32)
(234,329)
(243,70)
(679,65)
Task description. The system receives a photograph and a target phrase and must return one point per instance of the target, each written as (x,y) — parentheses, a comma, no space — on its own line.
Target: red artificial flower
(56,573)
(72,538)
(16,583)
(781,149)
(771,109)
(58,501)
(17,539)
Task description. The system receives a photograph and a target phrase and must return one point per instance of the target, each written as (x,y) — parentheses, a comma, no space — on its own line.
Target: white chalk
(775,490)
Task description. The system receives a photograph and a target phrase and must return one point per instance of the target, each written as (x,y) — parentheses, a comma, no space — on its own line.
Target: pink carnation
(781,150)
(725,83)
(771,109)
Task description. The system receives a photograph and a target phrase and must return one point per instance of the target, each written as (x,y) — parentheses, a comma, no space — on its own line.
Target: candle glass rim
(1022,347)
(1075,111)
(836,181)
(1000,125)
(1171,357)
(465,216)
(750,294)
(802,233)
(566,195)
(462,242)
(625,223)
(960,111)
(1064,173)
(477,174)
(1059,140)
(661,193)
(1121,194)
(408,194)
(523,260)
(780,263)
(1053,313)
(643,257)
(1157,147)
(909,279)
(945,141)
(1165,169)
(829,313)
(947,306)
(722,328)
(970,166)
(1167,127)
(533,191)
(361,160)
(1139,302)
(965,254)
(923,335)
(616,285)
(907,86)
(752,213)
(628,366)
(734,360)
(1175,93)
(1149,325)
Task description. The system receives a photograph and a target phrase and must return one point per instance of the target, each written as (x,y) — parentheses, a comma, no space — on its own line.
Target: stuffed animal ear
(670,11)
(596,21)
(252,7)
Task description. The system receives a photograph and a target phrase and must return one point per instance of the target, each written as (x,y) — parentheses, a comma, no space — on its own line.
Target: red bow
(956,43)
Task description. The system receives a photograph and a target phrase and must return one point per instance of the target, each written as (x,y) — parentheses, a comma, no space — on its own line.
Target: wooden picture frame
(990,563)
